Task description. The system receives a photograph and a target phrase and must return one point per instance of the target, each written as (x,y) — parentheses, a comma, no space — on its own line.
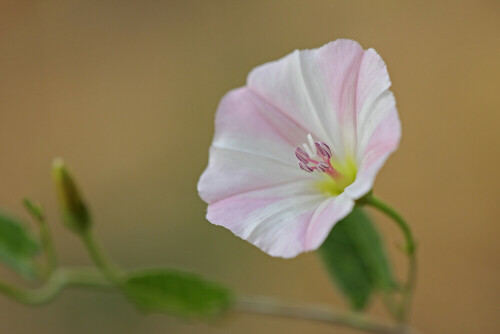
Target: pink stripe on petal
(340,61)
(252,148)
(250,125)
(232,172)
(275,219)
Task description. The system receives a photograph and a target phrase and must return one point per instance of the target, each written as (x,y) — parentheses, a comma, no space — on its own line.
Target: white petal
(326,216)
(378,125)
(253,148)
(317,88)
(274,219)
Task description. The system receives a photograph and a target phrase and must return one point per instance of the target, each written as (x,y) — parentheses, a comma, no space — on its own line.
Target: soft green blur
(125,92)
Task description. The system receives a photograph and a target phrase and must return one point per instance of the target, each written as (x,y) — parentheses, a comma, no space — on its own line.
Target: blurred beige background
(126,92)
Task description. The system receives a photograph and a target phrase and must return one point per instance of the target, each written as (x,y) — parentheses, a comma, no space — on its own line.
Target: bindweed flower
(296,146)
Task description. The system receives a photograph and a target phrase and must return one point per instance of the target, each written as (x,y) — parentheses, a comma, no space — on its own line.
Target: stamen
(301,155)
(318,154)
(323,150)
(305,167)
(323,167)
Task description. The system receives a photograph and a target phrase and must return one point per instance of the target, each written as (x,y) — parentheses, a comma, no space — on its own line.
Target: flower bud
(75,213)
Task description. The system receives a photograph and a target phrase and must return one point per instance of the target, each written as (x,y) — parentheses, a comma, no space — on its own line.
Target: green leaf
(355,257)
(175,292)
(17,247)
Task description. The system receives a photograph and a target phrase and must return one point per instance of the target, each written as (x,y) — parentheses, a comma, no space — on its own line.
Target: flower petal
(275,219)
(317,89)
(253,148)
(340,94)
(245,122)
(378,125)
(326,216)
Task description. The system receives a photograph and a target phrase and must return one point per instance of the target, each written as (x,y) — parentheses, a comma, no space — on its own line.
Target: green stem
(275,308)
(108,268)
(60,279)
(92,278)
(410,250)
(391,304)
(400,221)
(48,247)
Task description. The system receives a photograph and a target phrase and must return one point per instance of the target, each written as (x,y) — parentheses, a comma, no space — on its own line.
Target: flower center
(317,156)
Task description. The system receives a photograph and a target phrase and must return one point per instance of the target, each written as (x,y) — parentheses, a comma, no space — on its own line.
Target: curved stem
(410,250)
(398,219)
(390,304)
(48,247)
(60,279)
(92,278)
(109,269)
(410,285)
(276,308)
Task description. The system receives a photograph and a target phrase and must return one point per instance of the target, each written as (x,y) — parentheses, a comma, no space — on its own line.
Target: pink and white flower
(296,146)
